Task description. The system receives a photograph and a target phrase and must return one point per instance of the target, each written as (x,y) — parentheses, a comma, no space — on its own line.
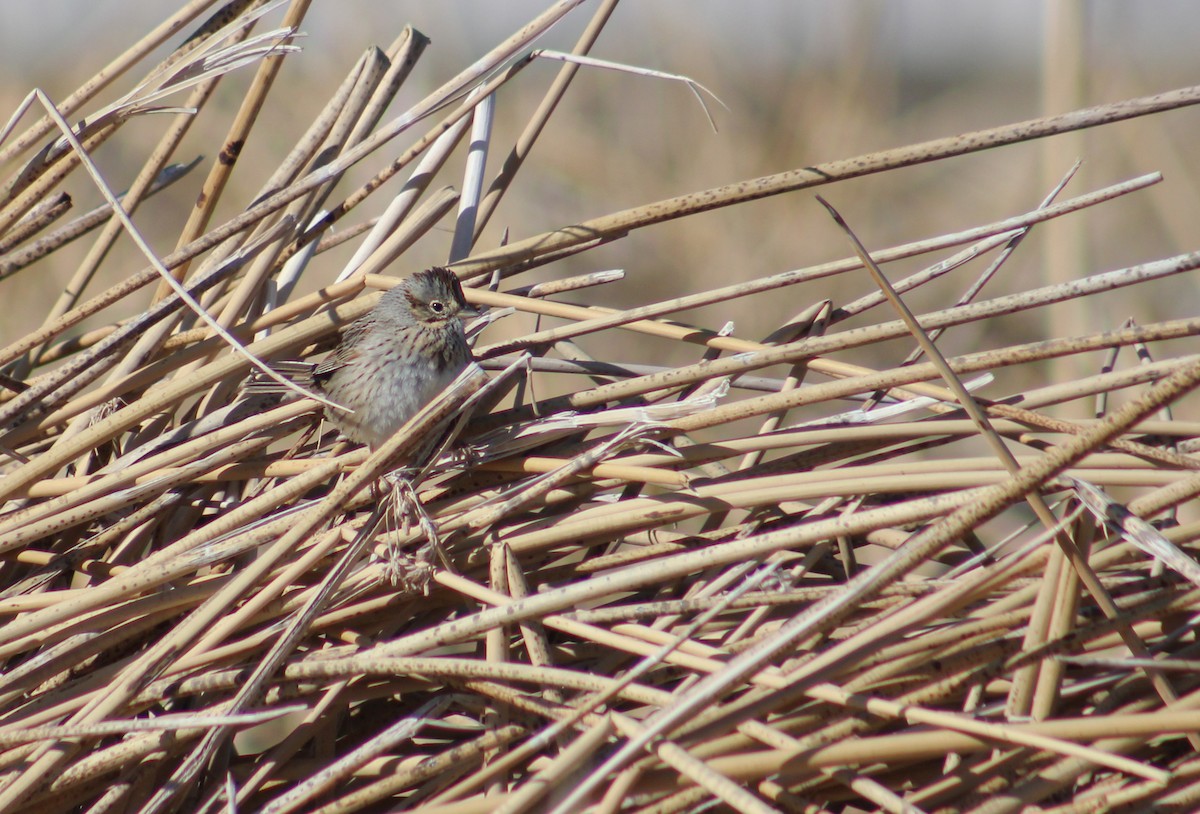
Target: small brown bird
(393,360)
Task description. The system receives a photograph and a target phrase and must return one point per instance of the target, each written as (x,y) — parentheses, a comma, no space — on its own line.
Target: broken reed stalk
(182,569)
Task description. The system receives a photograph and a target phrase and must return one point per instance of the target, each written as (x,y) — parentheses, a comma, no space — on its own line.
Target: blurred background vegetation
(804,82)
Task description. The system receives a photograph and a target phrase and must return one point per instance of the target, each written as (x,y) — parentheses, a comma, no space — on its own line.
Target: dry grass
(767,575)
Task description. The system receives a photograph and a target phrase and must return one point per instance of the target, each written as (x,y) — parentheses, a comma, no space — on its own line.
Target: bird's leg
(407,509)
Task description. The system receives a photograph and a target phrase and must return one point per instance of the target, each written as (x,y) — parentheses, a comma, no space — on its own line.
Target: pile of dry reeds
(771,577)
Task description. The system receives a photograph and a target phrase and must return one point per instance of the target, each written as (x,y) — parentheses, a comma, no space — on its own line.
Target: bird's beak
(469,311)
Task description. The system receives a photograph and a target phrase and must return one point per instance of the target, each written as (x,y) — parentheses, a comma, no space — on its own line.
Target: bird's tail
(301,373)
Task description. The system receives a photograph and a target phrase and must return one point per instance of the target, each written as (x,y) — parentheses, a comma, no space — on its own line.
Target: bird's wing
(343,354)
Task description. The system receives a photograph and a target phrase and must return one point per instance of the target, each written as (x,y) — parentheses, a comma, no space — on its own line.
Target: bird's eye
(437,306)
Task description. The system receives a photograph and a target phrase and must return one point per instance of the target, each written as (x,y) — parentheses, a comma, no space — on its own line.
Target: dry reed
(771,577)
